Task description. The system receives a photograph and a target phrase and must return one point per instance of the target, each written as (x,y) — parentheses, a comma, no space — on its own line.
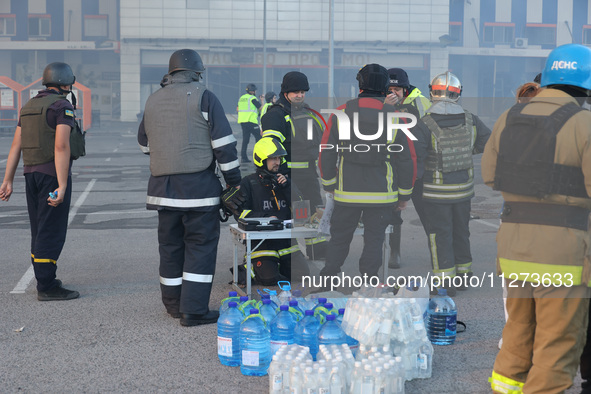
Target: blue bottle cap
(293,303)
(322,300)
(284,308)
(254,311)
(265,297)
(232,304)
(330,317)
(309,312)
(328,305)
(233,294)
(342,311)
(243,298)
(266,302)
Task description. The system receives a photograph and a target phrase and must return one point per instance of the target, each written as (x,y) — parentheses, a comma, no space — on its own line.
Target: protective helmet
(568,64)
(445,86)
(294,81)
(398,77)
(267,147)
(185,60)
(251,87)
(269,97)
(59,74)
(373,77)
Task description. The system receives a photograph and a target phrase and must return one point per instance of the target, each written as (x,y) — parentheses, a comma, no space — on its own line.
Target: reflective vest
(420,102)
(452,146)
(247,111)
(178,134)
(265,108)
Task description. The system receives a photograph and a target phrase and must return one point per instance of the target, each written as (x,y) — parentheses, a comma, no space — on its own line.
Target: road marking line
(24,282)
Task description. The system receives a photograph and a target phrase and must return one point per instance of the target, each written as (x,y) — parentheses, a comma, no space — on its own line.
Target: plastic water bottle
(416,315)
(441,319)
(322,311)
(285,294)
(276,375)
(368,381)
(232,296)
(424,359)
(319,303)
(306,333)
(254,345)
(295,310)
(336,381)
(268,297)
(352,342)
(272,294)
(323,381)
(282,329)
(331,332)
(267,311)
(229,335)
(246,305)
(296,381)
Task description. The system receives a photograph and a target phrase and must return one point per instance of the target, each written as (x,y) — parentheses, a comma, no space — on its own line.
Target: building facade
(120,48)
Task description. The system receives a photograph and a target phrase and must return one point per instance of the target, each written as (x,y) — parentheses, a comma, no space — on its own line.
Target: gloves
(232,200)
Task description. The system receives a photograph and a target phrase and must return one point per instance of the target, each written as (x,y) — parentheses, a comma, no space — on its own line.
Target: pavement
(117,337)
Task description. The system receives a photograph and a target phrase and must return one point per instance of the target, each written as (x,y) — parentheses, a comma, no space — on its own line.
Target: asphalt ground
(117,336)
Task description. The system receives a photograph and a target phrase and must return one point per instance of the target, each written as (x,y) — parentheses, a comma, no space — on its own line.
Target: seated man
(268,194)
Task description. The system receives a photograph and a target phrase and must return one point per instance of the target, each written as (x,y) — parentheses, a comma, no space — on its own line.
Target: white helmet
(445,86)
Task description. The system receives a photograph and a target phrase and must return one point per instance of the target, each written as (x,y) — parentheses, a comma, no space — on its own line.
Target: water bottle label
(278,382)
(323,390)
(225,346)
(418,323)
(422,361)
(450,326)
(250,358)
(275,345)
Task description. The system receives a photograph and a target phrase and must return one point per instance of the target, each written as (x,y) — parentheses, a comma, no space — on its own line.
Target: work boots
(57,293)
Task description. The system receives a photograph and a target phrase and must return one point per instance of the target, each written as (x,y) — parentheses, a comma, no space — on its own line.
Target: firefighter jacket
(195,190)
(265,197)
(550,250)
(248,109)
(289,124)
(417,100)
(378,176)
(446,143)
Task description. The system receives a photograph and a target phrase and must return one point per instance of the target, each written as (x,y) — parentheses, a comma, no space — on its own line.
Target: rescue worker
(45,127)
(538,157)
(248,118)
(287,121)
(268,193)
(405,93)
(405,98)
(183,185)
(448,136)
(366,184)
(270,99)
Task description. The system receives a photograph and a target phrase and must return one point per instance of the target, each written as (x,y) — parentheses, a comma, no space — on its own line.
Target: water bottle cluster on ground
(374,344)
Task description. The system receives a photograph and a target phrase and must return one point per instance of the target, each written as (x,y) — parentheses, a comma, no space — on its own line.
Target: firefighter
(405,98)
(183,185)
(248,118)
(538,157)
(44,133)
(367,185)
(288,122)
(448,137)
(268,193)
(270,99)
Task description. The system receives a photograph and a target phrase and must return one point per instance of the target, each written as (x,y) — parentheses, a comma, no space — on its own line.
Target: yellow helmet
(267,147)
(445,86)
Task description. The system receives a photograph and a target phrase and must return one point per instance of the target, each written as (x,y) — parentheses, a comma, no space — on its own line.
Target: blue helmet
(568,64)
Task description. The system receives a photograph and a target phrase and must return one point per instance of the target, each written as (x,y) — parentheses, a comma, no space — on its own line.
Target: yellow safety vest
(247,112)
